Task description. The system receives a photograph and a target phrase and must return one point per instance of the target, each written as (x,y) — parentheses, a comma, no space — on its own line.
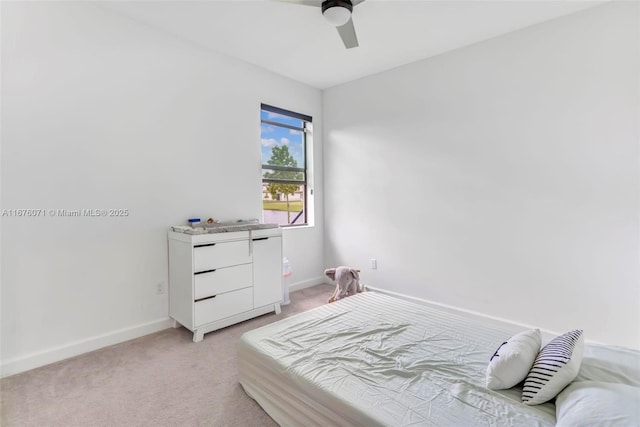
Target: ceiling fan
(338,14)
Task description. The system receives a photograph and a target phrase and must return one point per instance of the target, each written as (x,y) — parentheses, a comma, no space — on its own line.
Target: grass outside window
(271,205)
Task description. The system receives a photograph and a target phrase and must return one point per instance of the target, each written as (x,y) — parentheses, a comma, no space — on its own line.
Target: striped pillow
(555,367)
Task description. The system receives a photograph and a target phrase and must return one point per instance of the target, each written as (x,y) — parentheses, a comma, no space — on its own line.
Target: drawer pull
(206,271)
(261,238)
(204,245)
(205,298)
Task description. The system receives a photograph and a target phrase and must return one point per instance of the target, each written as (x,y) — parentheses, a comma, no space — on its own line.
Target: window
(284,165)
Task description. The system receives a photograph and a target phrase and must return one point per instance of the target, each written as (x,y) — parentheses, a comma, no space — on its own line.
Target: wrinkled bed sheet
(373,359)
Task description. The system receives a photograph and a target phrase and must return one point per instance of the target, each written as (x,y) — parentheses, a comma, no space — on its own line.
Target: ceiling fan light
(337,15)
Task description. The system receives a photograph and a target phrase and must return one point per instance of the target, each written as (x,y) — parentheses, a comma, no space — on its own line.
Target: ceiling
(295,41)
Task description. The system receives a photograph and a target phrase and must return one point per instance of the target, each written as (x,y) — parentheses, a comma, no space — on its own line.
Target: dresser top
(221,228)
(229,234)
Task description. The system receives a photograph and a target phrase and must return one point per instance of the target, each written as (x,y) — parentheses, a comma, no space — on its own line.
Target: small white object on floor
(286,272)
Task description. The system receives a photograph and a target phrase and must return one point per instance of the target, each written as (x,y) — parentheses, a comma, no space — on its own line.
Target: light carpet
(162,379)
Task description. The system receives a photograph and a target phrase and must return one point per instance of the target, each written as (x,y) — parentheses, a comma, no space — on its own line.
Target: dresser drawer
(222,280)
(216,255)
(223,305)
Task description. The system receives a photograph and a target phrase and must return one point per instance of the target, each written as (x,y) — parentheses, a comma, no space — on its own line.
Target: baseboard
(56,354)
(306,283)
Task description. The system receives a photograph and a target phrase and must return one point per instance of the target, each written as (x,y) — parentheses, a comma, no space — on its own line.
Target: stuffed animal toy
(348,282)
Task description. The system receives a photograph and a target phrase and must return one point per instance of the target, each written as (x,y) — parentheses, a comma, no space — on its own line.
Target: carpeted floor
(162,379)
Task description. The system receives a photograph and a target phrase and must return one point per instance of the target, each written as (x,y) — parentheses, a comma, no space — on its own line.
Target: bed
(376,360)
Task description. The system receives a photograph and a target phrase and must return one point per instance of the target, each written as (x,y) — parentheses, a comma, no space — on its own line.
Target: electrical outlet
(374,263)
(161,288)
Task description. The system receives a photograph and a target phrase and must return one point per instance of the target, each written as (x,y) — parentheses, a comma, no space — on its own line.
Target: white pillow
(512,361)
(610,364)
(601,404)
(556,365)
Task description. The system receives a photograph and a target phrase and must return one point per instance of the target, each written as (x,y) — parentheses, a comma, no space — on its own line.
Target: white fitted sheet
(372,359)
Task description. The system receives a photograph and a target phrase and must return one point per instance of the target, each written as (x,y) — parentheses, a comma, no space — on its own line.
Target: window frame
(305,130)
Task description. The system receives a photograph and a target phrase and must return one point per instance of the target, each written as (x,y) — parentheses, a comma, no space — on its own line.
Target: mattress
(374,360)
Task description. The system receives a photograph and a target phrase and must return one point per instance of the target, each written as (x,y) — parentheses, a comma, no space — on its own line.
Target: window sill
(297,227)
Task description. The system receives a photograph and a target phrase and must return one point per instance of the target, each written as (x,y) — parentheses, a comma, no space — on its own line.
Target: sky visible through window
(273,136)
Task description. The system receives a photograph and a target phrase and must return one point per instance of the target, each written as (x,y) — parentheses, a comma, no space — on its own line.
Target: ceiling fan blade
(315,3)
(348,34)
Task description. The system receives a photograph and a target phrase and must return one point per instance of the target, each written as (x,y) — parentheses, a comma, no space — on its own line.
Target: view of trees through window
(284,174)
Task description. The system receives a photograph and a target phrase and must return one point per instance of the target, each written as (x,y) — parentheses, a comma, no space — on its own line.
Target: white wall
(501,178)
(99,111)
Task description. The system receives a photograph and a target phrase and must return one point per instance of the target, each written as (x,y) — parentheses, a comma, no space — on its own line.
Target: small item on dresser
(211,221)
(194,222)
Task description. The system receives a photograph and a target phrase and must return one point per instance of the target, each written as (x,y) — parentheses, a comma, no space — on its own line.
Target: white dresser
(218,279)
